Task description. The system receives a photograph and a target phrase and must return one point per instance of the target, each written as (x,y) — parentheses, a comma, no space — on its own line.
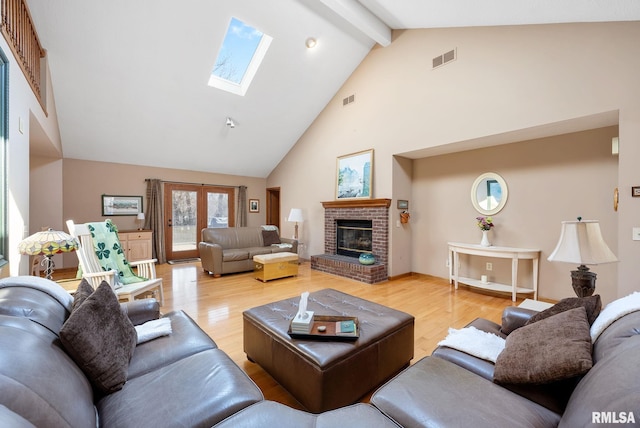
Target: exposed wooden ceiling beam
(362,19)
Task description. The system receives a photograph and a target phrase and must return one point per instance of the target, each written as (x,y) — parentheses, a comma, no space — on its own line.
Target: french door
(189,208)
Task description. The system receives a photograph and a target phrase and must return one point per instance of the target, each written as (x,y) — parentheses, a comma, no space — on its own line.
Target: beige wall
(45,203)
(84,182)
(506,81)
(24,109)
(400,234)
(549,180)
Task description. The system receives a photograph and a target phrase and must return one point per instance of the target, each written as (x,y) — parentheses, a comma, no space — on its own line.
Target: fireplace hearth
(354,218)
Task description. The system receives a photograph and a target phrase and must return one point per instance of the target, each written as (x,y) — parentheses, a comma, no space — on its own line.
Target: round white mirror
(489,193)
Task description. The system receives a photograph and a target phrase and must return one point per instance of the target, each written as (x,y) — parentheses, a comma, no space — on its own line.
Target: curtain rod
(196,184)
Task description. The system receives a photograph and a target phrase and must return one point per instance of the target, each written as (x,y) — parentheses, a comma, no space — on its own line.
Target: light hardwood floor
(216,304)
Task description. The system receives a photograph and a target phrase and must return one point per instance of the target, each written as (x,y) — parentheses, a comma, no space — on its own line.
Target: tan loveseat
(230,250)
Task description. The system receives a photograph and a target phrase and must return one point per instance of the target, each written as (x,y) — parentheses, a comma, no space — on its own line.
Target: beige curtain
(242,206)
(154,218)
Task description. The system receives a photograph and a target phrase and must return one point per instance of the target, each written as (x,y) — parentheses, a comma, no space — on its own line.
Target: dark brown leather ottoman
(324,375)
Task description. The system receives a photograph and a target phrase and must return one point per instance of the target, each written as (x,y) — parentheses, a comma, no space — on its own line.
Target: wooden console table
(515,254)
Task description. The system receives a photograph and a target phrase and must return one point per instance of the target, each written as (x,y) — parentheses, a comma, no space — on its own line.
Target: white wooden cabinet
(515,254)
(136,243)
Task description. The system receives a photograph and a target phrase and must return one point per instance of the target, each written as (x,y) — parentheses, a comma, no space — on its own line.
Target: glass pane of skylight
(240,55)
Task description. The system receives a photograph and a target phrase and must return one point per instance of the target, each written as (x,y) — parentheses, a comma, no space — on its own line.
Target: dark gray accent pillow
(84,290)
(592,304)
(270,237)
(99,337)
(555,348)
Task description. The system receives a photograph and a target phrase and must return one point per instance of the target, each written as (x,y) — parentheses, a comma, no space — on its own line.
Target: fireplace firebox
(354,237)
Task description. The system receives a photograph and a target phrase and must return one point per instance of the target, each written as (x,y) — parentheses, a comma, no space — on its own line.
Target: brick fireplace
(374,210)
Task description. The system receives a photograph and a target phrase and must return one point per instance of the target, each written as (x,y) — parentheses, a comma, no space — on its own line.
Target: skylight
(240,55)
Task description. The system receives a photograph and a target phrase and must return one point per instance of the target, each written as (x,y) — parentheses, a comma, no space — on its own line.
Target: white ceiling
(130,77)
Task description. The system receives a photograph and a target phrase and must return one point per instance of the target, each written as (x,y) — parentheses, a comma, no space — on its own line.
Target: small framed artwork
(354,173)
(635,191)
(403,205)
(121,205)
(254,206)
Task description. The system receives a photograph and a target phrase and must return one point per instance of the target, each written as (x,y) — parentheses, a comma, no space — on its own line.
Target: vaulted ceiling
(130,77)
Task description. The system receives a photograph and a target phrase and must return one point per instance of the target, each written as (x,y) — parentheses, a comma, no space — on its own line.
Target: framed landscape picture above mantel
(354,175)
(121,205)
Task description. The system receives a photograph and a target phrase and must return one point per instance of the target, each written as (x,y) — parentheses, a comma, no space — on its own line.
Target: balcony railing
(18,29)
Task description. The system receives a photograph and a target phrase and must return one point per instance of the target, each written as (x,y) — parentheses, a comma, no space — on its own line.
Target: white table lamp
(140,220)
(295,215)
(581,242)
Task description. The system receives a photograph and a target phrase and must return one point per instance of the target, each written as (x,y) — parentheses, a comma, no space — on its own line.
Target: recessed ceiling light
(311,42)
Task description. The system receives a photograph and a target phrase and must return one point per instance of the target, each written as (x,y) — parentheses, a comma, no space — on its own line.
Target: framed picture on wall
(121,205)
(403,205)
(254,205)
(354,174)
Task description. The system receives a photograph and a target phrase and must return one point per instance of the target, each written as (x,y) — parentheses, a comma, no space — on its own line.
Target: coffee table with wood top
(325,374)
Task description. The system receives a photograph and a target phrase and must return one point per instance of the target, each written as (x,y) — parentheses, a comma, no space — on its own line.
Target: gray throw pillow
(555,348)
(592,304)
(84,290)
(270,237)
(99,337)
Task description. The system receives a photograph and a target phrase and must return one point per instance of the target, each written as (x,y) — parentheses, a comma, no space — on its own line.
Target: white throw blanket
(478,343)
(153,329)
(613,311)
(282,245)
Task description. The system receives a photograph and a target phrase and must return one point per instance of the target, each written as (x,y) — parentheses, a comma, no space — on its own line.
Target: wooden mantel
(357,203)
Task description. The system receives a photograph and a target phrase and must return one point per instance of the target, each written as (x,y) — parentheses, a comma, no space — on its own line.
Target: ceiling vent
(348,100)
(446,57)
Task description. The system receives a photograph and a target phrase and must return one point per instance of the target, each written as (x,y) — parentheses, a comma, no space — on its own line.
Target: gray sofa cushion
(196,391)
(38,380)
(166,350)
(610,387)
(272,414)
(256,251)
(235,254)
(434,392)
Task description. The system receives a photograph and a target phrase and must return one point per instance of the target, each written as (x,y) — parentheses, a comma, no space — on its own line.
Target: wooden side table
(535,305)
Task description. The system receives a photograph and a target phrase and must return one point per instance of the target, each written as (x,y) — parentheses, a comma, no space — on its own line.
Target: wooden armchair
(94,273)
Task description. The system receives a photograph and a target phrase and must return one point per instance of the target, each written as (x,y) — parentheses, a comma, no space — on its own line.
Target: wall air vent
(444,58)
(348,100)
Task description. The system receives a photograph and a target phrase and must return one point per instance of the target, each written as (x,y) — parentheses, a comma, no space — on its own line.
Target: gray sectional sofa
(182,379)
(451,388)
